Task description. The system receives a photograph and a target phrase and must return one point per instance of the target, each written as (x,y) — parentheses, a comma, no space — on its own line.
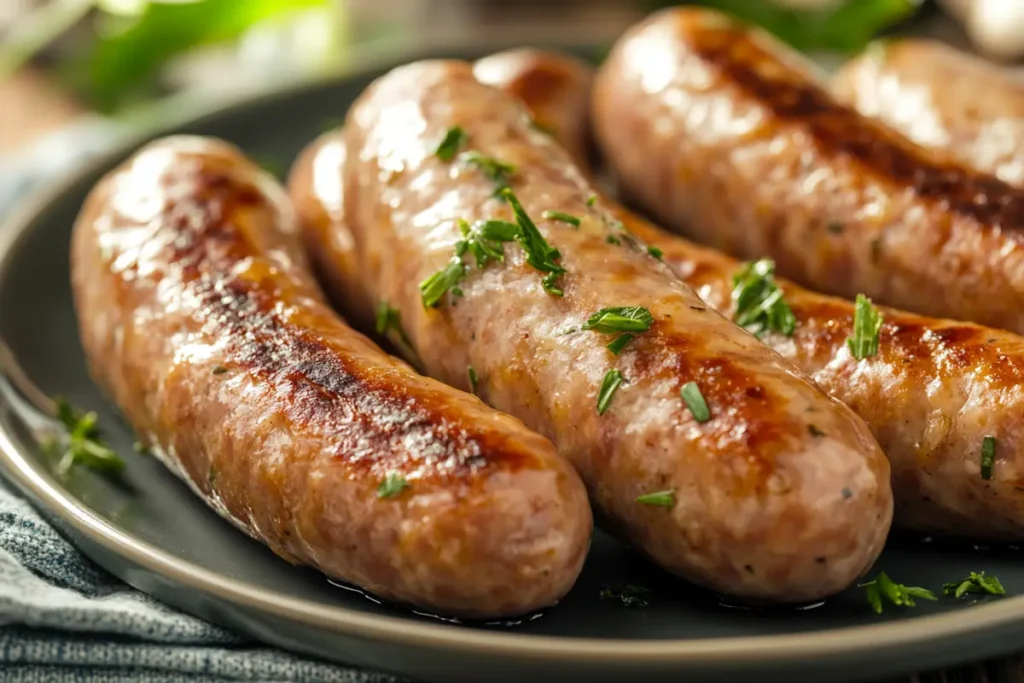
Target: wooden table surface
(34,107)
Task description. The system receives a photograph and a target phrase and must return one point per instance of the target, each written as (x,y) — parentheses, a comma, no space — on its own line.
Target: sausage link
(781,495)
(934,392)
(199,319)
(727,137)
(944,99)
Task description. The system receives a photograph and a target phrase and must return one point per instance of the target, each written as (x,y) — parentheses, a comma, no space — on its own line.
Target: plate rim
(974,622)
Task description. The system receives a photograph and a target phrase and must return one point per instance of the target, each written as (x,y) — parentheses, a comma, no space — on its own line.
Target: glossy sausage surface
(931,396)
(782,495)
(200,320)
(942,98)
(728,137)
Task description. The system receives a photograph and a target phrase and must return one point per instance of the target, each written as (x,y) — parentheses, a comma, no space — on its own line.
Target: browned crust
(745,58)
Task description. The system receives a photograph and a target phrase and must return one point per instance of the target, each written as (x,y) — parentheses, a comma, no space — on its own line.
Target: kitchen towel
(62,618)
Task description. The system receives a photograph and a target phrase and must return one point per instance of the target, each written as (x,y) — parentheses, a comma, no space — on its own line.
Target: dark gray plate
(154,534)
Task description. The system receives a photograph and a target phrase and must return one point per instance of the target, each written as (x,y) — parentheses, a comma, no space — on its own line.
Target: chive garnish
(539,253)
(449,146)
(438,284)
(388,321)
(977,582)
(392,485)
(758,300)
(472,379)
(896,593)
(84,443)
(988,456)
(620,319)
(664,499)
(617,345)
(562,217)
(867,323)
(497,171)
(609,386)
(655,252)
(695,402)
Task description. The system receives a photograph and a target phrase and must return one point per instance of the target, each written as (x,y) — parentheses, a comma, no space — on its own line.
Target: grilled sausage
(199,319)
(781,495)
(727,137)
(942,98)
(931,396)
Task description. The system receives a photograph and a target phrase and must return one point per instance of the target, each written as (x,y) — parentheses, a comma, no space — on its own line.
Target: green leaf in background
(140,38)
(846,28)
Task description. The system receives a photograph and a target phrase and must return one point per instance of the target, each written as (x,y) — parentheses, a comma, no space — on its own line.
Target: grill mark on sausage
(745,418)
(313,382)
(981,197)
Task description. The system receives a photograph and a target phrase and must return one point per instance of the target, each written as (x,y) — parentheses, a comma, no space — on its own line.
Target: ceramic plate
(154,534)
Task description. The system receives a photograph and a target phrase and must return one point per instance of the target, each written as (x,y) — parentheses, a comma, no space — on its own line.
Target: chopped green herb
(662,499)
(617,345)
(389,322)
(485,238)
(630,595)
(84,442)
(612,239)
(977,582)
(452,142)
(758,300)
(655,252)
(438,284)
(867,323)
(219,369)
(497,171)
(609,386)
(620,319)
(472,379)
(988,456)
(591,200)
(562,217)
(548,283)
(896,593)
(695,402)
(140,447)
(392,485)
(539,253)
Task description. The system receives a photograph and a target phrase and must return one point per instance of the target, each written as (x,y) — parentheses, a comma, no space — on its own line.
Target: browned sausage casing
(942,98)
(199,318)
(782,495)
(935,390)
(727,137)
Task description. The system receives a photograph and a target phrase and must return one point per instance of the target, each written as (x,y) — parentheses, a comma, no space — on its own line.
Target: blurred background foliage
(114,53)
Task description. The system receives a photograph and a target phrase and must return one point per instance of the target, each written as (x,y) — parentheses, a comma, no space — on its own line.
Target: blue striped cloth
(62,618)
